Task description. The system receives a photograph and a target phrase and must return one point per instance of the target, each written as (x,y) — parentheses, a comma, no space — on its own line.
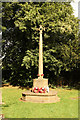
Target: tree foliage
(21,40)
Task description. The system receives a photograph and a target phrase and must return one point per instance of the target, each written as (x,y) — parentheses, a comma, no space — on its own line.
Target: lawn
(14,108)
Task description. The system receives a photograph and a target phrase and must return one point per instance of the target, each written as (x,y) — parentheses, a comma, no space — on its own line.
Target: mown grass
(66,108)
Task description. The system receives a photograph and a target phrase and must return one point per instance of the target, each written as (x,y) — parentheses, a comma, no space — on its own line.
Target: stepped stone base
(50,97)
(40,82)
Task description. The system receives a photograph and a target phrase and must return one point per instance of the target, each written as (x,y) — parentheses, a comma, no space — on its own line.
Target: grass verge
(13,108)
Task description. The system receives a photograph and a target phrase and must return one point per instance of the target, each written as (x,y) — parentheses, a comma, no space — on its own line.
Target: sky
(75,7)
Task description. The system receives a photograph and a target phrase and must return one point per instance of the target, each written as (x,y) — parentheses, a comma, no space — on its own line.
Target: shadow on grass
(71,87)
(5,105)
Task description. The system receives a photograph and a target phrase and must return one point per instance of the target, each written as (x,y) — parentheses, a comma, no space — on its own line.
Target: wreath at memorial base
(39,90)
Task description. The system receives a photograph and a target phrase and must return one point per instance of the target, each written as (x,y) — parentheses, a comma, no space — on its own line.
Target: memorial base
(50,97)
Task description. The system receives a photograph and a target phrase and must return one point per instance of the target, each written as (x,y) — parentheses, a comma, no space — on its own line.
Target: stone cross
(40,72)
(40,82)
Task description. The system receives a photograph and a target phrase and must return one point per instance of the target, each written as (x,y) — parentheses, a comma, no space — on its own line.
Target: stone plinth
(50,97)
(40,82)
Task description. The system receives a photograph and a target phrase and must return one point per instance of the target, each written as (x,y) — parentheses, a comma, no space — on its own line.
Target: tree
(20,21)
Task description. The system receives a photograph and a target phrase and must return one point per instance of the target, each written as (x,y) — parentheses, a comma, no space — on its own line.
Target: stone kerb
(50,97)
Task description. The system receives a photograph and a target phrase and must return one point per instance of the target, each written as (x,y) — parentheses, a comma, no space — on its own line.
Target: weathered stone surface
(50,97)
(29,93)
(40,82)
(41,52)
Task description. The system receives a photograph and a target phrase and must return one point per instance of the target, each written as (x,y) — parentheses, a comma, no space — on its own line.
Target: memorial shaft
(40,53)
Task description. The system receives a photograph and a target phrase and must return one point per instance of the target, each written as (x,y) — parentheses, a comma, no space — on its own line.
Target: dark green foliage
(21,40)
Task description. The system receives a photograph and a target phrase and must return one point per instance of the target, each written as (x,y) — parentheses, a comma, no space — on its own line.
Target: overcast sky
(75,7)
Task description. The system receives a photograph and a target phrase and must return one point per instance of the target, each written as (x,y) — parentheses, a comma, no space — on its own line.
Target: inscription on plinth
(40,82)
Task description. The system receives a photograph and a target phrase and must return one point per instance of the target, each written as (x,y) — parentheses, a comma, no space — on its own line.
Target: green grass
(13,108)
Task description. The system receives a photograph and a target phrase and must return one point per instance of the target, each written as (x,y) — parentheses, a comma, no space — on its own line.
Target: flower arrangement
(40,75)
(40,90)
